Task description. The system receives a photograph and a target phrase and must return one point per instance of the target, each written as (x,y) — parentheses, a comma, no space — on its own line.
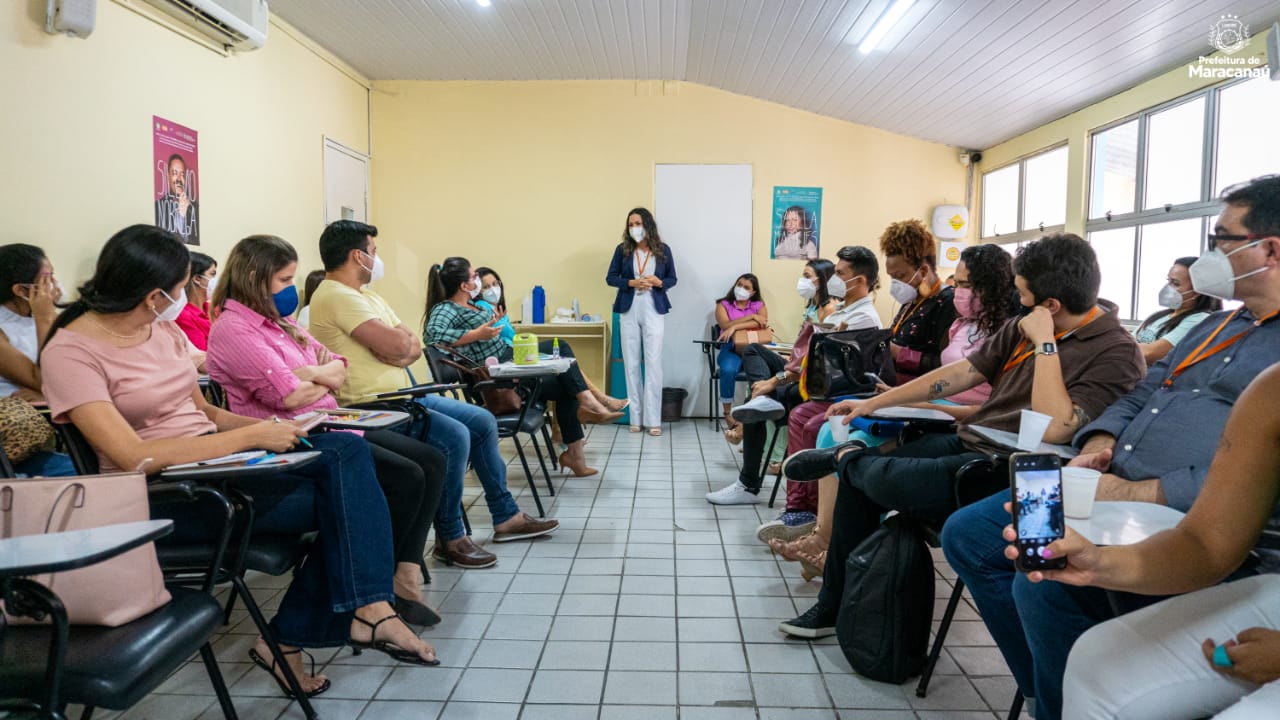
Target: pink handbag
(112,592)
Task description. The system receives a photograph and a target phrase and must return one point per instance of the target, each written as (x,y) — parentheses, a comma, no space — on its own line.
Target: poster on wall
(949,254)
(797,214)
(175,163)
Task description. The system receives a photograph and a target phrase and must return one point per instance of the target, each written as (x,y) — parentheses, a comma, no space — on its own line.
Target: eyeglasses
(1215,238)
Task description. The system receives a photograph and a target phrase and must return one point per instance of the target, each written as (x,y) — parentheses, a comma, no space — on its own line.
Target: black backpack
(849,362)
(887,605)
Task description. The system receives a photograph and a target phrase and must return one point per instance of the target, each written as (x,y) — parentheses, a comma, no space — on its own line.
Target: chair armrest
(165,492)
(421,390)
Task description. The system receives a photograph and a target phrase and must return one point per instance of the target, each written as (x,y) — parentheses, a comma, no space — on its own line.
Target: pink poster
(177,188)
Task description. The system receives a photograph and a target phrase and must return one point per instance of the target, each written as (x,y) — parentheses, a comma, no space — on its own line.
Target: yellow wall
(76,163)
(1075,128)
(535,179)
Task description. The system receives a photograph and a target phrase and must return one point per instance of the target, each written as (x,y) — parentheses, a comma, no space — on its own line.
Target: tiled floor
(647,604)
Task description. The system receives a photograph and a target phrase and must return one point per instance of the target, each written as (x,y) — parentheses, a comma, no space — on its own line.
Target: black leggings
(761,363)
(411,474)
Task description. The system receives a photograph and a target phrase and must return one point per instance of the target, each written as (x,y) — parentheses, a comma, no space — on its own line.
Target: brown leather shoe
(528,527)
(467,556)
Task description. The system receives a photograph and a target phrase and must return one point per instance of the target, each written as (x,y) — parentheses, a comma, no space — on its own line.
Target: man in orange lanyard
(1153,445)
(1068,358)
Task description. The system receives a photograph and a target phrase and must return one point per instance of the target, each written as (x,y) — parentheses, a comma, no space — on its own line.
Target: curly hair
(991,277)
(910,240)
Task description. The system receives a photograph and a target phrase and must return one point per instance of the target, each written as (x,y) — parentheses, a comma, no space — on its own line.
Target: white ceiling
(969,73)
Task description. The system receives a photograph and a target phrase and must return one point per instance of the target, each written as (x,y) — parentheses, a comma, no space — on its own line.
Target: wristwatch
(781,377)
(1047,349)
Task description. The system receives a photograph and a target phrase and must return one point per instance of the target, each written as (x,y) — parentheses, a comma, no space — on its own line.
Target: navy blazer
(621,270)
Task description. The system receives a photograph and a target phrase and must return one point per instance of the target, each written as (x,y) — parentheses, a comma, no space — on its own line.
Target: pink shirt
(737,313)
(150,384)
(194,322)
(253,360)
(965,339)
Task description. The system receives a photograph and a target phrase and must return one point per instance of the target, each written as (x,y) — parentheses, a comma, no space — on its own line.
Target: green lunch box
(524,349)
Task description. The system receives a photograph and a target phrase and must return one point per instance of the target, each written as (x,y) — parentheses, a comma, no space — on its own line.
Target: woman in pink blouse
(740,309)
(269,366)
(194,318)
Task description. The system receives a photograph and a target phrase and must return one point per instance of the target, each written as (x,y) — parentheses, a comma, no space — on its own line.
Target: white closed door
(346,183)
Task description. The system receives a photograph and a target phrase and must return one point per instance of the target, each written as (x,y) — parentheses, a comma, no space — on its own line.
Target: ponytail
(443,281)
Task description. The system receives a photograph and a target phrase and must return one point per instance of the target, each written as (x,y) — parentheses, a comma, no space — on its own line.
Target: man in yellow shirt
(355,322)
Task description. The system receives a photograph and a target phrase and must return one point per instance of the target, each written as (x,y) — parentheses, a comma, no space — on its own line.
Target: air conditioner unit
(234,24)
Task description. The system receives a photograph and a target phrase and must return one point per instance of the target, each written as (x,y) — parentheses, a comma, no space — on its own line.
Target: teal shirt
(508,334)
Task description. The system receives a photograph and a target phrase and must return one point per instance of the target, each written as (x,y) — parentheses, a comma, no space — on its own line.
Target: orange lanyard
(1200,353)
(1017,359)
(645,264)
(936,285)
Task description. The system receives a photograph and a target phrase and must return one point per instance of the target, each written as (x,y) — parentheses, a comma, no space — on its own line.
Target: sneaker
(788,526)
(735,494)
(758,410)
(818,621)
(810,465)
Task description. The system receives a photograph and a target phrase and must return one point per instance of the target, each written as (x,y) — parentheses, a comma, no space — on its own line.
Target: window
(1175,155)
(1116,250)
(1247,144)
(1115,170)
(1135,261)
(1026,199)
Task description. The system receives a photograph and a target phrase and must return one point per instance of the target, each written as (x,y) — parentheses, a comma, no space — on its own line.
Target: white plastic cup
(839,430)
(1031,430)
(1079,485)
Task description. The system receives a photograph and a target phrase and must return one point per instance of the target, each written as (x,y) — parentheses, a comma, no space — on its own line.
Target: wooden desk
(590,343)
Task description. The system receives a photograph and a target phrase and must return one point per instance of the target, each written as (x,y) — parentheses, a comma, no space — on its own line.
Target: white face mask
(210,285)
(474,292)
(741,293)
(492,295)
(1171,298)
(1212,274)
(805,288)
(836,287)
(636,232)
(172,312)
(377,271)
(903,292)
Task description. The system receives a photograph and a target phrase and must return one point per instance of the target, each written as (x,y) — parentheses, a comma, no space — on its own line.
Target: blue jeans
(46,464)
(352,562)
(464,432)
(730,363)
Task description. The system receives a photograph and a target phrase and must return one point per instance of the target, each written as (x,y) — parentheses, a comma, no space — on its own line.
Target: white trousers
(643,326)
(1148,663)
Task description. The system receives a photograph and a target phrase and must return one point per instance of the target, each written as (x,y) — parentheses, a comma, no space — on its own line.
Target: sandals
(284,686)
(801,548)
(386,647)
(812,566)
(655,432)
(634,428)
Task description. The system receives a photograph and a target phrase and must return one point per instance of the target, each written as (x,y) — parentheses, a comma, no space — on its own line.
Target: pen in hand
(301,438)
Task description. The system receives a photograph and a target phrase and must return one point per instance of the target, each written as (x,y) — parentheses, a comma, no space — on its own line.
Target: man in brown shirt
(1068,358)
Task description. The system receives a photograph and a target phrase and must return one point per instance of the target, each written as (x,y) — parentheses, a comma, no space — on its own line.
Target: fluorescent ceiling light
(483,3)
(882,26)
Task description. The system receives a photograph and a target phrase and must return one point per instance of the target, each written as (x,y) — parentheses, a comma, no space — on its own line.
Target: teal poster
(797,214)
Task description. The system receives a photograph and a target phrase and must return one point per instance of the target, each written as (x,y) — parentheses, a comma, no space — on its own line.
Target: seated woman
(114,364)
(28,308)
(494,296)
(194,318)
(740,309)
(452,319)
(270,367)
(774,391)
(1216,650)
(921,327)
(984,298)
(1184,309)
(314,278)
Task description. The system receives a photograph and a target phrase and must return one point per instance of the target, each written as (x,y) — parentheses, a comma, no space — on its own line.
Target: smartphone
(1035,483)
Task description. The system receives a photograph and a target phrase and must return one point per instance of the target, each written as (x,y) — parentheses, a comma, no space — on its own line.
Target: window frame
(1022,234)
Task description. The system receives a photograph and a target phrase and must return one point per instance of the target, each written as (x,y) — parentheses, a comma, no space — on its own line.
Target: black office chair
(237,551)
(43,668)
(711,350)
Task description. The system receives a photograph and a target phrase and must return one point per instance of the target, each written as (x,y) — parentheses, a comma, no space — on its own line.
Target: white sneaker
(735,494)
(758,410)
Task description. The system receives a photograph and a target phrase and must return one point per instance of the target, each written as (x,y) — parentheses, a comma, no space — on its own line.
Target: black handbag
(849,362)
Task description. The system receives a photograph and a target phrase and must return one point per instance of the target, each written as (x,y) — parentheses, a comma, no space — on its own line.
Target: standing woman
(642,270)
(741,308)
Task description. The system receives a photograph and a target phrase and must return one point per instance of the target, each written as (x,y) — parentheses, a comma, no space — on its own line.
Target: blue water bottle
(539,305)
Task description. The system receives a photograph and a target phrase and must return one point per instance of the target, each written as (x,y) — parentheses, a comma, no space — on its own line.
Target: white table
(1124,523)
(54,552)
(909,414)
(541,368)
(1009,441)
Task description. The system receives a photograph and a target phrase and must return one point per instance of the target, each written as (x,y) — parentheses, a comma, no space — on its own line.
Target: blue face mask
(286,301)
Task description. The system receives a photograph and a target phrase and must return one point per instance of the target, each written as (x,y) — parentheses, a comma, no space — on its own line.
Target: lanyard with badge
(1200,353)
(1018,357)
(906,315)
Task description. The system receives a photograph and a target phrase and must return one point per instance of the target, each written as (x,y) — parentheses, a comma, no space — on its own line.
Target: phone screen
(1037,507)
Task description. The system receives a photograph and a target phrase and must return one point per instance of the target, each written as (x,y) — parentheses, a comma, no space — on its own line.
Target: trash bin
(673,403)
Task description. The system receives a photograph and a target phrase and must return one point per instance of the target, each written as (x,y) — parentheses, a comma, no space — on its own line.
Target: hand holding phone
(1035,485)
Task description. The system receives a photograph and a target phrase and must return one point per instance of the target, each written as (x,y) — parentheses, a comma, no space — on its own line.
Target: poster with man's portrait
(175,161)
(797,213)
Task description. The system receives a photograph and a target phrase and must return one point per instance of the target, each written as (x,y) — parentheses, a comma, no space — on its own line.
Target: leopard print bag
(23,428)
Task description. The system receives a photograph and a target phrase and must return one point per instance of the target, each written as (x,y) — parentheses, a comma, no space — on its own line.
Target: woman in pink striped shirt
(269,366)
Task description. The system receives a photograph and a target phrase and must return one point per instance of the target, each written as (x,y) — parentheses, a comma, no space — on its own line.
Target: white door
(704,213)
(346,183)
